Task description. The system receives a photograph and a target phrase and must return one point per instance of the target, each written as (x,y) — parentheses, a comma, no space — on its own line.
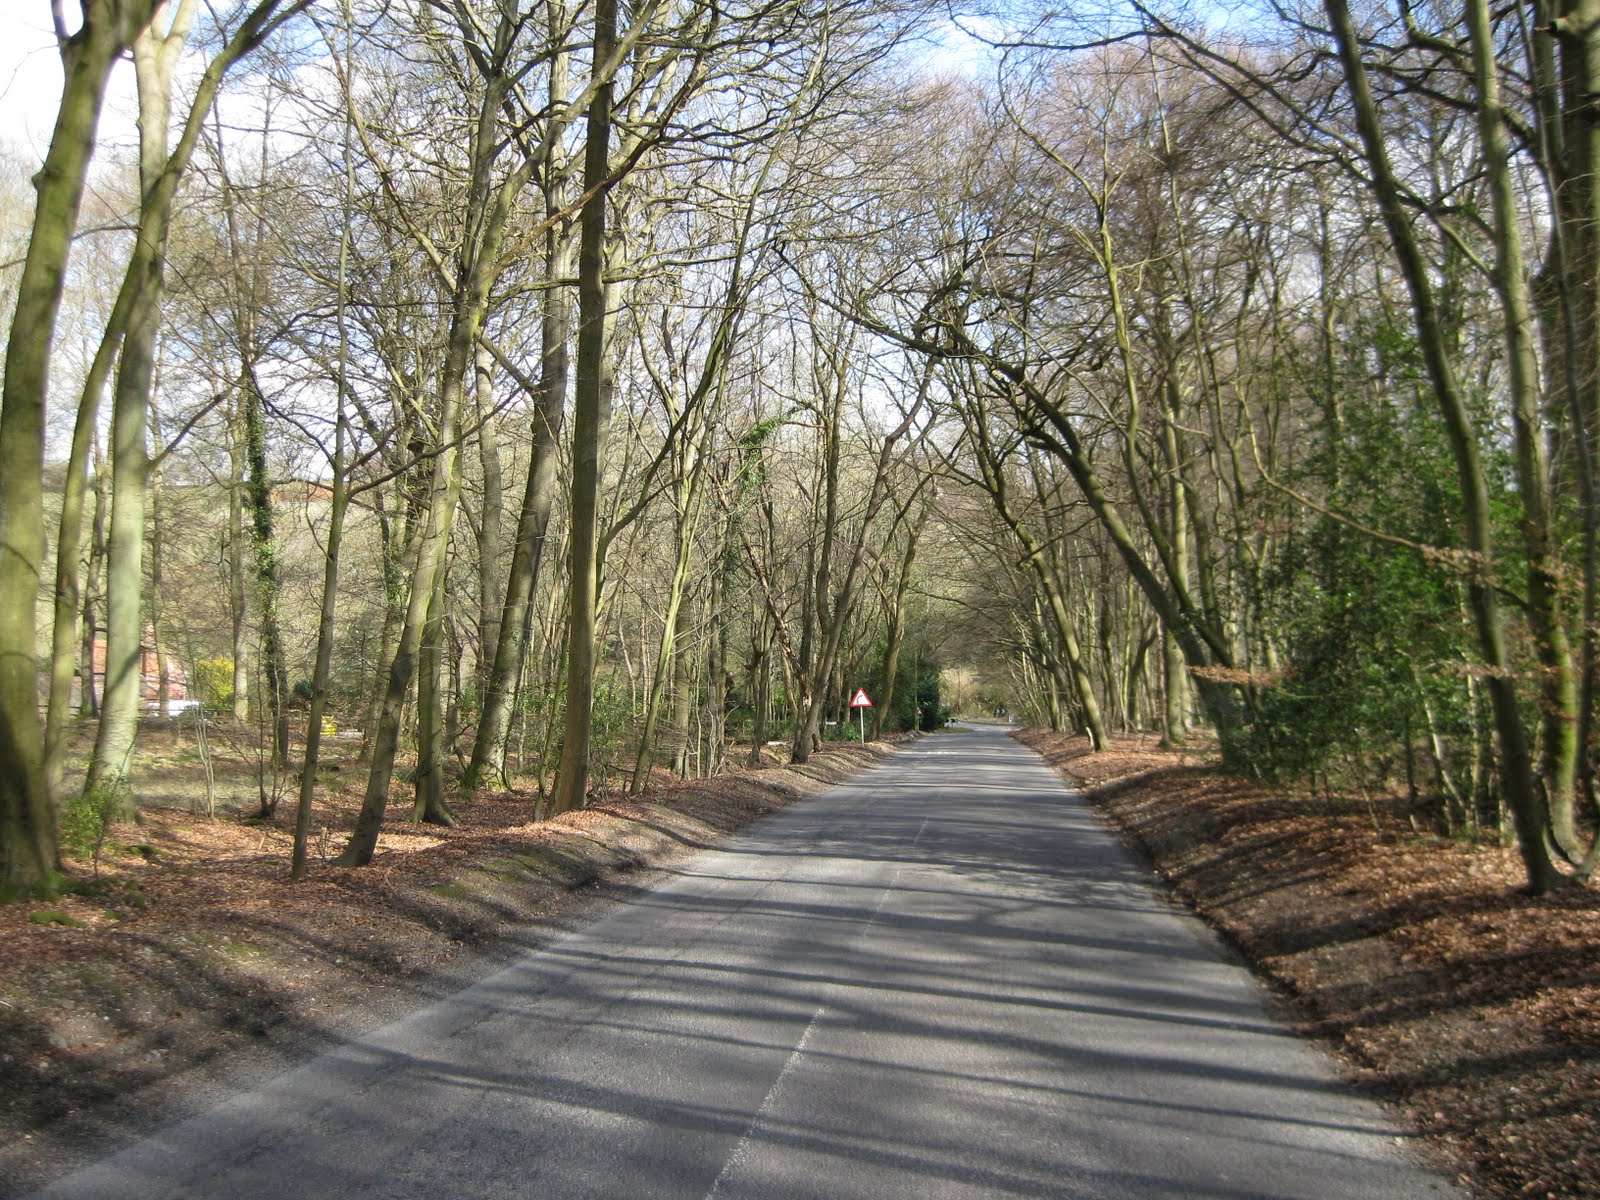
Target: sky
(30,83)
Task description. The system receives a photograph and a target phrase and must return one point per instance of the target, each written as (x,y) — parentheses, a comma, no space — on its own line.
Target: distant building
(149,674)
(301,491)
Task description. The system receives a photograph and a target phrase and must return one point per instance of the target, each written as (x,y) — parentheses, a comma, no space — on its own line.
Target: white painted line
(766,1105)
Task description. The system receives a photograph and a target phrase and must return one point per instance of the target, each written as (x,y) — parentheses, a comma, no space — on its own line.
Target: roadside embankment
(1469,1005)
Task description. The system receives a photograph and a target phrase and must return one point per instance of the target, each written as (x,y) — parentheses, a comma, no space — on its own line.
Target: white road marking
(741,1148)
(766,1105)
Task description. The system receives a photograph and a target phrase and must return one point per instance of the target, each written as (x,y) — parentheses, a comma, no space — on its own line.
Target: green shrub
(86,821)
(212,681)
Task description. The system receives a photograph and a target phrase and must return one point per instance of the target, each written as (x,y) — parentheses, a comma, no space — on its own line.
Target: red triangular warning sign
(860,699)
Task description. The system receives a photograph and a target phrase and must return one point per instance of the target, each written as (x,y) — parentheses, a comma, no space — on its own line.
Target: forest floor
(189,965)
(1469,1006)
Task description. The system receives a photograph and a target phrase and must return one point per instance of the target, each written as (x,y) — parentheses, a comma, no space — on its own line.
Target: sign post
(861,703)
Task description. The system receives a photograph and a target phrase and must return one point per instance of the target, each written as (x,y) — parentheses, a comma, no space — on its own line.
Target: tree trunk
(157,614)
(1518,785)
(85,439)
(686,685)
(488,207)
(395,548)
(1174,711)
(431,805)
(533,524)
(431,546)
(155,57)
(491,588)
(760,674)
(688,503)
(323,667)
(269,585)
(119,716)
(1558,706)
(108,28)
(27,814)
(662,677)
(1573,148)
(591,411)
(333,539)
(897,623)
(238,601)
(89,705)
(714,720)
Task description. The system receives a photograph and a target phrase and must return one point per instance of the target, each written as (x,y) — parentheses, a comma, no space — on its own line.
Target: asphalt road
(940,979)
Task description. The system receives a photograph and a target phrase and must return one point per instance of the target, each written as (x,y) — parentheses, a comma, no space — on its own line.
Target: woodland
(557,395)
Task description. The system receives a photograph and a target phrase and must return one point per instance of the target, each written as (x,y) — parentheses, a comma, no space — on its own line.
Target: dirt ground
(1471,1007)
(193,966)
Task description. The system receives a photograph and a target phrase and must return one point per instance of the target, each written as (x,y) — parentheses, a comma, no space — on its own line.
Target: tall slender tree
(27,815)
